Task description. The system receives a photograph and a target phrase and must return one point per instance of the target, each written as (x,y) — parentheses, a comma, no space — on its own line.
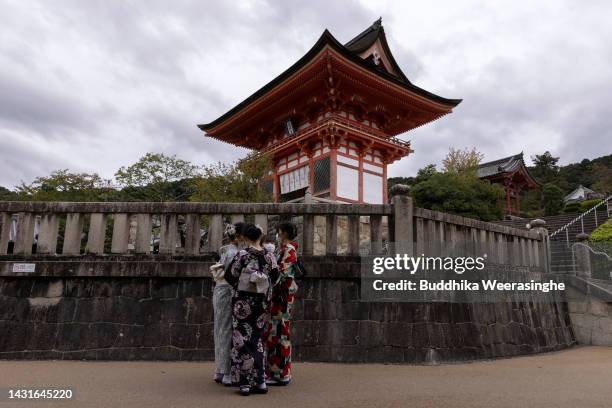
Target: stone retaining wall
(160,309)
(591,318)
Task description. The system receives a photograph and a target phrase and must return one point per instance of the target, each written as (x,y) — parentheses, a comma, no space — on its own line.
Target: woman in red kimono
(278,342)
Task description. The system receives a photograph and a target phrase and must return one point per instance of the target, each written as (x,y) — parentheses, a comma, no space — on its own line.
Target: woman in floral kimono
(278,339)
(250,274)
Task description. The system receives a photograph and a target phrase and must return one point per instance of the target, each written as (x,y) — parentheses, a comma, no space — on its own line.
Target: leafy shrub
(603,233)
(573,207)
(535,213)
(588,204)
(461,194)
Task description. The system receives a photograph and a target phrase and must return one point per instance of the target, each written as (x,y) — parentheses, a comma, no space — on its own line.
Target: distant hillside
(595,174)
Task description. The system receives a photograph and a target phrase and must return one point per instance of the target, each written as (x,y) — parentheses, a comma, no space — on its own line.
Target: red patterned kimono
(279,336)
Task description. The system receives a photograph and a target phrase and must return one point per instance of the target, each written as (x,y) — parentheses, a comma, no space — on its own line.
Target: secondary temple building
(512,174)
(330,121)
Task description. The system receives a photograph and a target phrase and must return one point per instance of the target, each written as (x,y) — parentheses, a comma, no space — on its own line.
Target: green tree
(602,177)
(7,195)
(531,202)
(237,182)
(425,173)
(545,167)
(552,197)
(462,160)
(461,194)
(422,175)
(62,185)
(157,177)
(571,176)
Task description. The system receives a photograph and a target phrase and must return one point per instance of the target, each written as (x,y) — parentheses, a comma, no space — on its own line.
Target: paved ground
(580,377)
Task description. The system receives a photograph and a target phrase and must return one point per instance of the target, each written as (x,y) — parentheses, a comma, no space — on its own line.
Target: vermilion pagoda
(329,121)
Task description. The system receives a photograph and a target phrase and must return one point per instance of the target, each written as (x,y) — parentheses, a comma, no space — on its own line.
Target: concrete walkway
(580,377)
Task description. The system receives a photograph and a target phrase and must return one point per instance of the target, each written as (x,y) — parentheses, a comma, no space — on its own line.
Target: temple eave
(269,94)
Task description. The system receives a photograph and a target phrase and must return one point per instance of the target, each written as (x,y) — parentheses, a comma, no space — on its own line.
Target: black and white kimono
(250,274)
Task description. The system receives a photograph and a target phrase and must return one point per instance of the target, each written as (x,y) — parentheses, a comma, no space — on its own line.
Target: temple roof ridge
(328,40)
(366,38)
(504,162)
(508,164)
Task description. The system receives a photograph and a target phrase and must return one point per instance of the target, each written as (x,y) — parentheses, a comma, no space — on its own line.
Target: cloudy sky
(93,85)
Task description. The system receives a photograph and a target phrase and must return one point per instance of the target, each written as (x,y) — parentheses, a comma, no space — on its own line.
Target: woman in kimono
(278,338)
(250,274)
(222,304)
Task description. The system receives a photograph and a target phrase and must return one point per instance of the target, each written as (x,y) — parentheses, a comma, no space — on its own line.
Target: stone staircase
(562,259)
(562,237)
(585,223)
(567,230)
(563,230)
(565,227)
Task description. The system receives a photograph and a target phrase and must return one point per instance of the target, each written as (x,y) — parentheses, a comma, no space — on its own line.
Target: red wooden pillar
(360,191)
(508,208)
(275,186)
(517,194)
(385,182)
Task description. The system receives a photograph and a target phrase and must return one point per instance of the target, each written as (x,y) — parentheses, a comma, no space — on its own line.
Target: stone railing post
(6,222)
(308,228)
(582,254)
(543,255)
(403,219)
(167,234)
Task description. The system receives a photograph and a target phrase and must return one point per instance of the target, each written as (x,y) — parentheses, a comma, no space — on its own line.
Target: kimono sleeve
(228,256)
(274,272)
(288,261)
(233,271)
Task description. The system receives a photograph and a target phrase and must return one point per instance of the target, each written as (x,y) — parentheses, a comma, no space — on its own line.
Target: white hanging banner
(294,180)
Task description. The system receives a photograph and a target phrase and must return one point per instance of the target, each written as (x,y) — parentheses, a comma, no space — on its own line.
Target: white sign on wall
(24,267)
(294,180)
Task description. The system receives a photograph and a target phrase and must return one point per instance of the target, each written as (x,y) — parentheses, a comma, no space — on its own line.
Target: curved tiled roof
(508,164)
(364,39)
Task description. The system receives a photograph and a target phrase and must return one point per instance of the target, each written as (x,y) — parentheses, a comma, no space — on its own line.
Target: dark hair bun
(239,227)
(289,228)
(252,232)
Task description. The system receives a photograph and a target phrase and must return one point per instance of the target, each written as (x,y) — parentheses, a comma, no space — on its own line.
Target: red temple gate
(330,121)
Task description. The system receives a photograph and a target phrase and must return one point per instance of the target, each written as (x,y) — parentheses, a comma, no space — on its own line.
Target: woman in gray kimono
(222,304)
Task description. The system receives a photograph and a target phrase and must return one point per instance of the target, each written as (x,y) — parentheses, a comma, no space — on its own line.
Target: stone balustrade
(183,228)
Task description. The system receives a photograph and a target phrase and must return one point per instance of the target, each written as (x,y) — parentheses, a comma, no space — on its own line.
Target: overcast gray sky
(93,85)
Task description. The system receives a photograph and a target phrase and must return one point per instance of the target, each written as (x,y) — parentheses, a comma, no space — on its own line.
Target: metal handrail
(580,218)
